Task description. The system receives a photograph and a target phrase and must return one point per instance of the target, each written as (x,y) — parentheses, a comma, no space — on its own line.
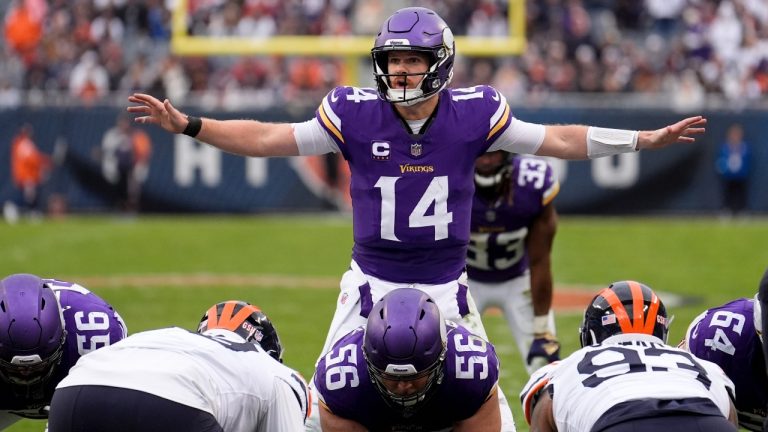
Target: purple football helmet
(415,29)
(405,339)
(32,331)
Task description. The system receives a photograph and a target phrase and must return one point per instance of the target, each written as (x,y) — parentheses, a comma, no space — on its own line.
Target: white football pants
(513,297)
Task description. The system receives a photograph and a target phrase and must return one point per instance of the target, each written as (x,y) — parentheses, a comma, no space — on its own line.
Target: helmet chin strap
(592,338)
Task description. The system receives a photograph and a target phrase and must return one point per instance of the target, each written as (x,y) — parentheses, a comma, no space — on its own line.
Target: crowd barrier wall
(188,177)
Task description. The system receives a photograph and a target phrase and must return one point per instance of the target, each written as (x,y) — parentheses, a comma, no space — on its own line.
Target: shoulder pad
(335,104)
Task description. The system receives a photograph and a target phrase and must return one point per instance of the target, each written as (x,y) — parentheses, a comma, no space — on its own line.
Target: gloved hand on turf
(546,346)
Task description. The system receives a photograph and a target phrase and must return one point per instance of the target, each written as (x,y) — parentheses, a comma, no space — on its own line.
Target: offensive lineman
(409,369)
(730,336)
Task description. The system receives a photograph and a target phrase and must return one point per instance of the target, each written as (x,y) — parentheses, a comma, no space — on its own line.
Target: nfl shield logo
(415,149)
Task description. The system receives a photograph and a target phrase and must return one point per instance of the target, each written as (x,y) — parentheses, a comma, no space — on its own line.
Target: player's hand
(681,131)
(544,346)
(153,111)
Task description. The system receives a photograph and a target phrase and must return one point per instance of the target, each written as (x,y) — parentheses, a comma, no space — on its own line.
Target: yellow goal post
(350,47)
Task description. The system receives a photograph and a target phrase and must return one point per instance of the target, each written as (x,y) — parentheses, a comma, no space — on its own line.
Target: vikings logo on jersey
(412,193)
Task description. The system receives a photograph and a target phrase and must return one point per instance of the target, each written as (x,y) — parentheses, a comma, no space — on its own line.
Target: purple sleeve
(332,109)
(501,115)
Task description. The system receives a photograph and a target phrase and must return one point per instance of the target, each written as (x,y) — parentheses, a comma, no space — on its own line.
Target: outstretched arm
(573,142)
(242,137)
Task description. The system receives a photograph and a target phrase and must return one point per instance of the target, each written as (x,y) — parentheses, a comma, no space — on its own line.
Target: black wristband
(193,127)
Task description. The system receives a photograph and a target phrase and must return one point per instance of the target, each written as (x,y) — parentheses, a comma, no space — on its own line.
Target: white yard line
(568,298)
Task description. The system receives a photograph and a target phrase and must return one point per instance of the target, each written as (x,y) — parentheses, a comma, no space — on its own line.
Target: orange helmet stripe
(618,309)
(650,322)
(228,321)
(241,315)
(225,321)
(638,318)
(213,317)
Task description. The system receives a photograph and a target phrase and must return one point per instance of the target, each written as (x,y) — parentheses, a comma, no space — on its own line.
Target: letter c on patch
(380,150)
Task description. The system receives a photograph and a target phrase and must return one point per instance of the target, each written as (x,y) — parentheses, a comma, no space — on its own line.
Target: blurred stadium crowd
(98,51)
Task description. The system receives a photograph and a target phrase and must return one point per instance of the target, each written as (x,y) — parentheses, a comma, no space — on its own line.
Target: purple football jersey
(412,194)
(726,335)
(90,322)
(497,247)
(471,370)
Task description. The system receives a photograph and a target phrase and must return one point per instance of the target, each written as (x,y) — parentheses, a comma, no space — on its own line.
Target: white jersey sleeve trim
(499,111)
(538,381)
(692,327)
(284,412)
(313,139)
(520,137)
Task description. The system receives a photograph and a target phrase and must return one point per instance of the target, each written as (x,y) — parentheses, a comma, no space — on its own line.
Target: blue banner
(183,175)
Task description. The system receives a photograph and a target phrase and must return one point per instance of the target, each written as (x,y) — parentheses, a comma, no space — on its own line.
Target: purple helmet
(31,330)
(405,339)
(415,29)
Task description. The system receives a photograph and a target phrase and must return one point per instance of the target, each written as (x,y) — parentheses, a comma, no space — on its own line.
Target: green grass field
(163,271)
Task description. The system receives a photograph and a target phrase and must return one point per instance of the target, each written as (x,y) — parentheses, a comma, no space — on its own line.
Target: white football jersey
(238,383)
(624,367)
